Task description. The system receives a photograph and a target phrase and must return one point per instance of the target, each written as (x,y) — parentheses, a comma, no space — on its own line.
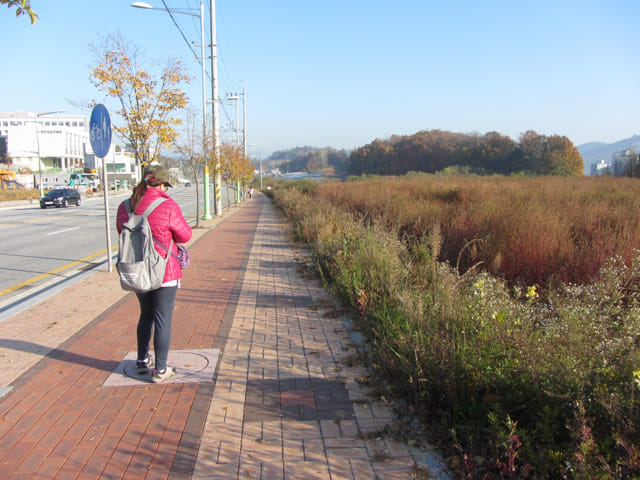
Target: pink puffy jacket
(166,221)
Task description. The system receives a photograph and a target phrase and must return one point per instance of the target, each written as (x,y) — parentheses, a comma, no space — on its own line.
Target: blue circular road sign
(100,130)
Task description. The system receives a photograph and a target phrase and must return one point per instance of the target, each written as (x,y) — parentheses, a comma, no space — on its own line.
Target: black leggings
(156,310)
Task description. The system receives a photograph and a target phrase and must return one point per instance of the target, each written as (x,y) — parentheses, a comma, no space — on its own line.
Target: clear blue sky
(342,73)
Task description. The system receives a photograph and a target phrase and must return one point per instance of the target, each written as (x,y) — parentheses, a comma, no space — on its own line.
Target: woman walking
(156,306)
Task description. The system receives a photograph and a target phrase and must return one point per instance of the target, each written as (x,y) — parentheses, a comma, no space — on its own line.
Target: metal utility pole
(206,214)
(185,11)
(217,184)
(237,139)
(234,97)
(244,120)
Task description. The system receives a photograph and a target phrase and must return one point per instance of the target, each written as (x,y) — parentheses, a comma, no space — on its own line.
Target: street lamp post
(234,98)
(144,5)
(38,115)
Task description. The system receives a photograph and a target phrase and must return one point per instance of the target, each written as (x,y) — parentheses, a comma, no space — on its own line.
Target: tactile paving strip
(192,366)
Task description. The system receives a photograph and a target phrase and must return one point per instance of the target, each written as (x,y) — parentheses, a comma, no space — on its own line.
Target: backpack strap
(164,247)
(153,206)
(148,210)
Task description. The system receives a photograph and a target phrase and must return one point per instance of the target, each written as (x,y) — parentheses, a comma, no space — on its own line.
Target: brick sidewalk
(283,404)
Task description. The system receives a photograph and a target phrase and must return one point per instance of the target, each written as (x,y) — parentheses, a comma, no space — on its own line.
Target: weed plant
(19,194)
(514,384)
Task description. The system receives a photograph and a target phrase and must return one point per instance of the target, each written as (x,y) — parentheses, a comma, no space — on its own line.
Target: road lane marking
(52,272)
(25,221)
(62,231)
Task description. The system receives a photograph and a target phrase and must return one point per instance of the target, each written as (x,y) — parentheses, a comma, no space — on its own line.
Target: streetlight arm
(146,6)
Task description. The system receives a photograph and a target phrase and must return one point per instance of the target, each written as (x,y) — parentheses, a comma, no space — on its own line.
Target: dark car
(60,197)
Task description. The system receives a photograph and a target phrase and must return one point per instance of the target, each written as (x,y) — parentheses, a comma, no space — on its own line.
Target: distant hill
(593,152)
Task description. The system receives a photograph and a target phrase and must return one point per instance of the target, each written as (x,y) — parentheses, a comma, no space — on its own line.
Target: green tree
(23,7)
(148,101)
(532,148)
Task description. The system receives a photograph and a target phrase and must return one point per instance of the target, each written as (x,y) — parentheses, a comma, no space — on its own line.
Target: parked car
(60,197)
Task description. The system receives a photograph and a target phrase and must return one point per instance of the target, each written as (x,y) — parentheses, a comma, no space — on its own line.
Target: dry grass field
(504,311)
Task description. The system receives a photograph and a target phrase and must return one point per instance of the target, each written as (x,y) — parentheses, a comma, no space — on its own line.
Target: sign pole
(105,188)
(100,135)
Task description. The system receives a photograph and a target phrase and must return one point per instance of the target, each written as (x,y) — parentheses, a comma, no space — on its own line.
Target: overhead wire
(180,30)
(223,84)
(197,33)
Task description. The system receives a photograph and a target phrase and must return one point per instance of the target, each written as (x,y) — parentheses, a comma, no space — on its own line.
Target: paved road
(42,248)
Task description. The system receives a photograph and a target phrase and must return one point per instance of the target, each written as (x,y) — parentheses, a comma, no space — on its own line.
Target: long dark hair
(140,189)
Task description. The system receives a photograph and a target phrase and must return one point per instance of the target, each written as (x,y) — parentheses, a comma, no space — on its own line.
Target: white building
(600,168)
(62,143)
(59,140)
(120,163)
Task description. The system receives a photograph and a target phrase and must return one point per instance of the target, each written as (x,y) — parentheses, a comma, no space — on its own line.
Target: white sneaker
(160,375)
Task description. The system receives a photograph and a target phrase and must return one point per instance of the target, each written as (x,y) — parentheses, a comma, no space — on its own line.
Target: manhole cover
(192,366)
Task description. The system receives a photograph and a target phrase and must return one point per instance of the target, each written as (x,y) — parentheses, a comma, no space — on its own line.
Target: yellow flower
(531,292)
(479,287)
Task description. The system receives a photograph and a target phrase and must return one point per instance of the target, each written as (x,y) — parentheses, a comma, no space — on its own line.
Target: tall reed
(527,230)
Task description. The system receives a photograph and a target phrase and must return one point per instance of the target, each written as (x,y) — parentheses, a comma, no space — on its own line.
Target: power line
(195,26)
(181,32)
(219,49)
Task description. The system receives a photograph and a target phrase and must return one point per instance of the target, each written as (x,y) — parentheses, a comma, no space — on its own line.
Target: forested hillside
(436,150)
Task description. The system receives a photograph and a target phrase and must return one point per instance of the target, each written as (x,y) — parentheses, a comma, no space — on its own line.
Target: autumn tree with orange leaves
(148,100)
(235,166)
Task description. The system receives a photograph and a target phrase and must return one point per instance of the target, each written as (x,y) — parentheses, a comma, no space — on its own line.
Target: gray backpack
(140,266)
